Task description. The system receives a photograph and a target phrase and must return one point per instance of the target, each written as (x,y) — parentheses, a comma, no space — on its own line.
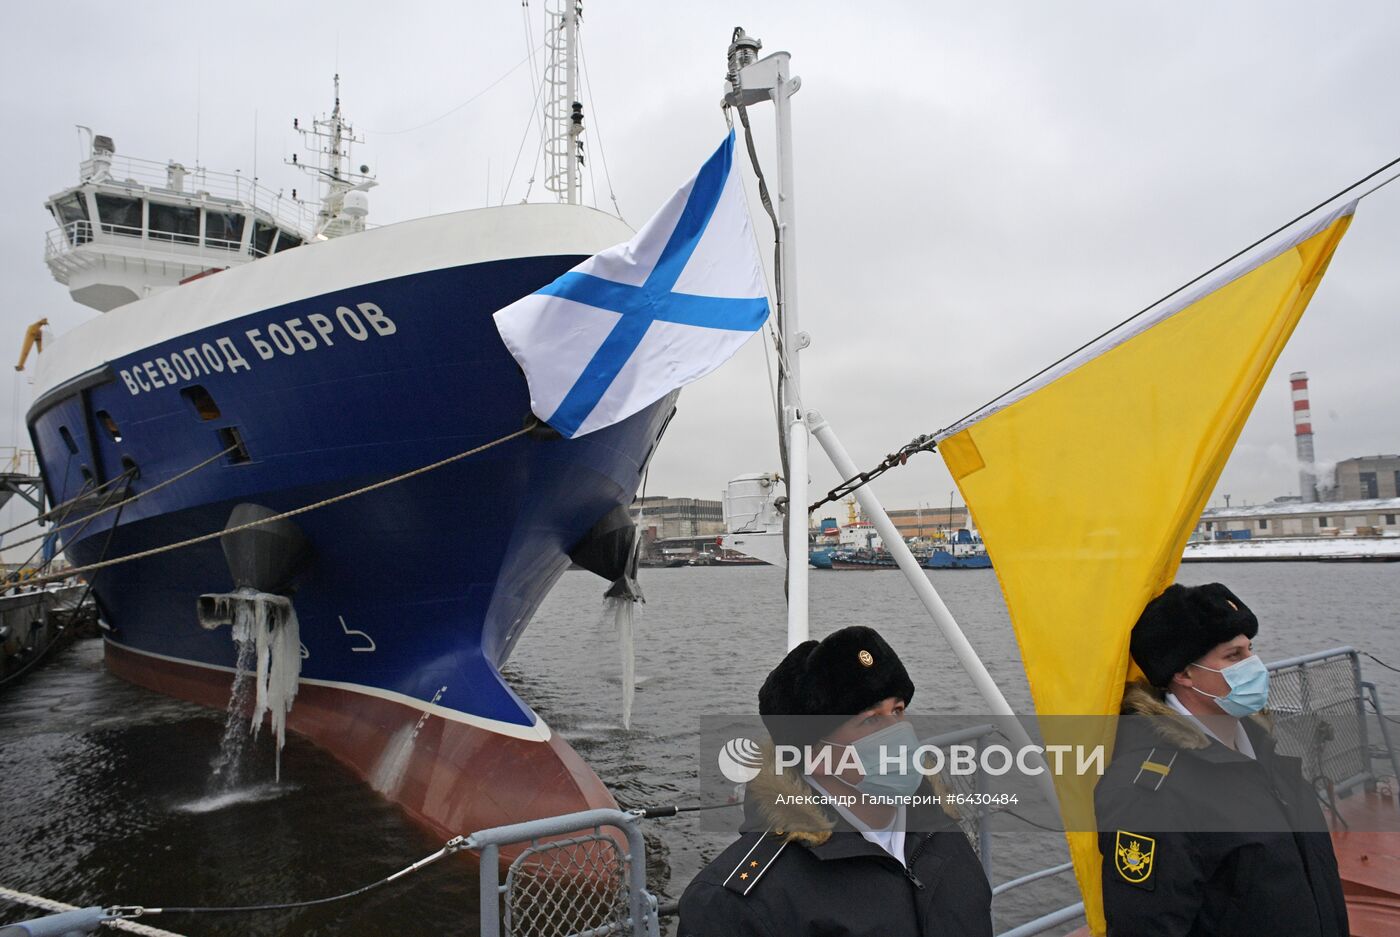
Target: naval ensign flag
(628,326)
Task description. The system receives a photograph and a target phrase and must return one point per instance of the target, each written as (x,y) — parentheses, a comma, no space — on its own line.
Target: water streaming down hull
(227,773)
(624,615)
(269,624)
(418,591)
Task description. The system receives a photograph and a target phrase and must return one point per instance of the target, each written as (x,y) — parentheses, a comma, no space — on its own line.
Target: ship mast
(563,111)
(344,204)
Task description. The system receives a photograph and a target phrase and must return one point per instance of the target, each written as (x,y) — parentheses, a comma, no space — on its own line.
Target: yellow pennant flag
(1087,484)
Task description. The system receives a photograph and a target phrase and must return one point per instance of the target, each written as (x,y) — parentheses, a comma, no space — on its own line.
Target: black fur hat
(1185,622)
(826,682)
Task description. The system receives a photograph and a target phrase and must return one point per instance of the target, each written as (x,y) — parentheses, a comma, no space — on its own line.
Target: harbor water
(106,794)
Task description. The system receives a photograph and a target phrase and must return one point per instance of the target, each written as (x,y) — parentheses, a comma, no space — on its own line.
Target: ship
(963,550)
(257,354)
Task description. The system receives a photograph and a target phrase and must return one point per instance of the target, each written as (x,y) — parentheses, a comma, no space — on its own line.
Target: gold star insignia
(754,864)
(743,875)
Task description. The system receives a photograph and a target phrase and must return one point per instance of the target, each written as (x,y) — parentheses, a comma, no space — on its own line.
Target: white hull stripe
(539,732)
(1147,321)
(424,244)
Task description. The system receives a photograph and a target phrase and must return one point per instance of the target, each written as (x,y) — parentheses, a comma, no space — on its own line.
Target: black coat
(839,884)
(1216,880)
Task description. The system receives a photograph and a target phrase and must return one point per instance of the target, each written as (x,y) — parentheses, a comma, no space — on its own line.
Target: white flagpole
(932,601)
(771,79)
(897,548)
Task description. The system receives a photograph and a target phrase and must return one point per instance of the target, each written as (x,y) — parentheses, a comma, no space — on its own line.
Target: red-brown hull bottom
(448,776)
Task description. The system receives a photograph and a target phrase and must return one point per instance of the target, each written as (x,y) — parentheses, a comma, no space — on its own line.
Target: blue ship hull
(416,593)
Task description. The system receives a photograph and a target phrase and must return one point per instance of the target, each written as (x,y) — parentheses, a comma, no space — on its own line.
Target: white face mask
(1249,686)
(887,760)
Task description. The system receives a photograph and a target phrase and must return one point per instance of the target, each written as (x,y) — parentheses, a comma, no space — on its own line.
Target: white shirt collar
(890,839)
(1242,743)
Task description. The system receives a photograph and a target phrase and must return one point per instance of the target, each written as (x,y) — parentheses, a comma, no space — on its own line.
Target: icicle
(623,599)
(278,637)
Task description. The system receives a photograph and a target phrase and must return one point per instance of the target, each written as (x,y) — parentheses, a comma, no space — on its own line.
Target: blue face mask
(887,759)
(1249,687)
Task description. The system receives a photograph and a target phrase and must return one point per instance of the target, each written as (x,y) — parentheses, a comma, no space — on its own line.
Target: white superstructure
(132,227)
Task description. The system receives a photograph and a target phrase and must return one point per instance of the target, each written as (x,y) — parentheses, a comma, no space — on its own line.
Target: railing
(573,878)
(16,461)
(567,883)
(229,186)
(1318,705)
(60,241)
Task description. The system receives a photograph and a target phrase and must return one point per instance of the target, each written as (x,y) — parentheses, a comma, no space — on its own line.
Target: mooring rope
(58,907)
(112,507)
(335,499)
(122,914)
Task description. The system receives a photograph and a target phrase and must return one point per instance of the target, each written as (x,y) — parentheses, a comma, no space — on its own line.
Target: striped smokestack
(1303,436)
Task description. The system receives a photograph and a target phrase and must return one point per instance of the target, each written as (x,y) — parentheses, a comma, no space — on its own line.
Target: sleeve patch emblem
(1132,857)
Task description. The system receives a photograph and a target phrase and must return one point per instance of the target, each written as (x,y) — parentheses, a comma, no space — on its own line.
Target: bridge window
(262,238)
(119,215)
(110,425)
(223,229)
(72,208)
(71,212)
(286,241)
(174,223)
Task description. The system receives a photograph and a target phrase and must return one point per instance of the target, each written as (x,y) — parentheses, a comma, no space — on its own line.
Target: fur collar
(809,824)
(806,823)
(1143,699)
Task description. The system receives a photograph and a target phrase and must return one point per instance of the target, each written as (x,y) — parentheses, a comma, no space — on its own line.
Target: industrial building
(926,522)
(1357,518)
(1360,499)
(672,518)
(1366,477)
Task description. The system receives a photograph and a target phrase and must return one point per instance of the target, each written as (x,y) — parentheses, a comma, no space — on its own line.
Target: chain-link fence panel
(567,887)
(1319,716)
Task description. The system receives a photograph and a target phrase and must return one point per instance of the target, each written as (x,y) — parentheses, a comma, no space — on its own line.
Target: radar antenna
(344,204)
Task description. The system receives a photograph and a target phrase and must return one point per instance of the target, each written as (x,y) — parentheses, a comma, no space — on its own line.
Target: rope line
(20,583)
(1189,283)
(58,907)
(140,494)
(344,496)
(598,135)
(1381,662)
(45,515)
(511,71)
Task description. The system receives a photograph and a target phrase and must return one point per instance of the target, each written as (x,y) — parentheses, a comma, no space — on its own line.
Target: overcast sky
(980,187)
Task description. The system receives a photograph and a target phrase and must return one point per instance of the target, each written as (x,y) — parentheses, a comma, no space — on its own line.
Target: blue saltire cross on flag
(629,325)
